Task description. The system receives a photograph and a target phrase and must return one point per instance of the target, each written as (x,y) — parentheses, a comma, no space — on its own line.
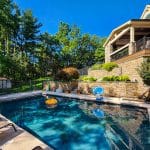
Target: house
(5,83)
(129,44)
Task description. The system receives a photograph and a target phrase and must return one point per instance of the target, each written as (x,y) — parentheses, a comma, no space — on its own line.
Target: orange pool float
(51,101)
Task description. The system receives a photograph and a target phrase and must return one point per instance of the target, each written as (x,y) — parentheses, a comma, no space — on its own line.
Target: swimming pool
(79,125)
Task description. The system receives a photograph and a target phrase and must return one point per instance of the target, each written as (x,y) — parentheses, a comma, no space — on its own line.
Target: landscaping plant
(67,74)
(109,66)
(144,71)
(87,78)
(96,67)
(116,78)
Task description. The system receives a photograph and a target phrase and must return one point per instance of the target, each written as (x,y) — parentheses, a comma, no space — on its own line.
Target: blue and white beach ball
(98,90)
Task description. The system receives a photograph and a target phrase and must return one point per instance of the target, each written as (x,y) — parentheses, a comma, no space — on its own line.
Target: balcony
(142,44)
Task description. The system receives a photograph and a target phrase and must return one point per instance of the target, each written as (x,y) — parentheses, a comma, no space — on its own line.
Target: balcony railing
(143,44)
(124,52)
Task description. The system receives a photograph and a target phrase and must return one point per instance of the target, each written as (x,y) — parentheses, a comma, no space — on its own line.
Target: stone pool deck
(111,100)
(22,140)
(15,96)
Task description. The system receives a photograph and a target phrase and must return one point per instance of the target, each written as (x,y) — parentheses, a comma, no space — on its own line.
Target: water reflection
(130,121)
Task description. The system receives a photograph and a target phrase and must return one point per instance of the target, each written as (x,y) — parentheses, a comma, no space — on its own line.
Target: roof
(123,26)
(145,12)
(2,78)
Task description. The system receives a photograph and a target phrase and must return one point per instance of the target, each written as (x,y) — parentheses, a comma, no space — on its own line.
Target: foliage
(116,78)
(96,67)
(87,78)
(124,78)
(109,66)
(26,53)
(100,52)
(144,71)
(68,74)
(74,45)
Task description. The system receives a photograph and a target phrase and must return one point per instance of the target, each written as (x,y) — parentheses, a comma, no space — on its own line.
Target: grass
(36,84)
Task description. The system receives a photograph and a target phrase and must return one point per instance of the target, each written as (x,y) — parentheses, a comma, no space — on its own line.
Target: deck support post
(132,41)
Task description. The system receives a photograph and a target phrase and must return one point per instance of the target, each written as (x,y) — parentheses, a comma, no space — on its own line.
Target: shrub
(116,78)
(96,67)
(144,71)
(109,66)
(67,74)
(106,78)
(87,78)
(124,78)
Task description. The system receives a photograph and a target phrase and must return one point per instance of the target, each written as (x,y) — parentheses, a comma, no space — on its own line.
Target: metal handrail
(143,44)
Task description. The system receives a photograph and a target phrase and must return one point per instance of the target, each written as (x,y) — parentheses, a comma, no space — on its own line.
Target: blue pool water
(81,125)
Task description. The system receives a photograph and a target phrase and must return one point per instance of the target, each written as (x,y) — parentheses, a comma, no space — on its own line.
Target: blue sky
(92,16)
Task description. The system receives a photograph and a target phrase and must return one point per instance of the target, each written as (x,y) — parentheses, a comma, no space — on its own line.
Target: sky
(98,17)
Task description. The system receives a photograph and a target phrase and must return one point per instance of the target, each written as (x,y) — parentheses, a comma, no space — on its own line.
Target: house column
(108,50)
(132,41)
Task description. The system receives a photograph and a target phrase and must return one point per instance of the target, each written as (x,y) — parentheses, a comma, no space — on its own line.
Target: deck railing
(143,44)
(124,52)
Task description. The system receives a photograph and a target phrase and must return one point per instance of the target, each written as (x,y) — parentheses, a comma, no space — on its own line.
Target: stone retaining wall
(113,89)
(116,89)
(125,68)
(53,85)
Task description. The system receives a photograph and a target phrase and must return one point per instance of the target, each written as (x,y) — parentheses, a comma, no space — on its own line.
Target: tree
(74,44)
(100,51)
(144,71)
(25,53)
(49,54)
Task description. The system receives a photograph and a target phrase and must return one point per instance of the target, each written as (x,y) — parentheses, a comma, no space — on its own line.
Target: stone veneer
(112,89)
(127,66)
(115,89)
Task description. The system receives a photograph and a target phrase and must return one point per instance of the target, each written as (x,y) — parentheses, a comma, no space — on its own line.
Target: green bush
(67,74)
(109,66)
(87,78)
(116,78)
(96,67)
(124,78)
(144,71)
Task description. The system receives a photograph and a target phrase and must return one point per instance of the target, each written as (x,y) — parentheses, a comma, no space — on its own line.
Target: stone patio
(20,140)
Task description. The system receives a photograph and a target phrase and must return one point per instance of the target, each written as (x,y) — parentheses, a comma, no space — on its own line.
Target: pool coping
(111,100)
(16,96)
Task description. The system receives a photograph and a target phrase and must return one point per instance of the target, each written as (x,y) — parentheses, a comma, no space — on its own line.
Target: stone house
(129,45)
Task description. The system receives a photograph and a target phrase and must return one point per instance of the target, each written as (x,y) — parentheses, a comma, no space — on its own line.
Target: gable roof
(145,12)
